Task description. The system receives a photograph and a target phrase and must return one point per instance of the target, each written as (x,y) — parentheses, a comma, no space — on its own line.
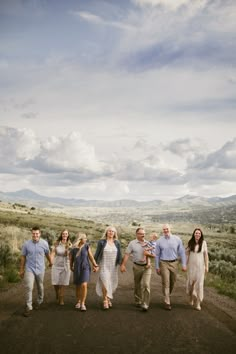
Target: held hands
(21,273)
(50,261)
(122,268)
(184,269)
(158,271)
(95,268)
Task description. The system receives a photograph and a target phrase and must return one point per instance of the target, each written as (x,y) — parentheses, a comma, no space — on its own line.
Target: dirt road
(122,329)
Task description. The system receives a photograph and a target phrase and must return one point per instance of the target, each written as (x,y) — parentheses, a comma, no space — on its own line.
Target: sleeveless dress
(108,274)
(82,268)
(196,272)
(61,266)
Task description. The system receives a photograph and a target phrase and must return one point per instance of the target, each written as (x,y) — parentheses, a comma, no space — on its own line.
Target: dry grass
(16,222)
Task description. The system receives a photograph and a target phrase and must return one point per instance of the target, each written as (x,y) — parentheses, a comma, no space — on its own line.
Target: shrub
(19,205)
(232,229)
(222,285)
(135,223)
(2,281)
(6,256)
(8,265)
(226,270)
(225,254)
(11,275)
(49,235)
(72,237)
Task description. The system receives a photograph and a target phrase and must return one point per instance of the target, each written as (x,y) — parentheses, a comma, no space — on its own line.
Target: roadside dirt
(122,329)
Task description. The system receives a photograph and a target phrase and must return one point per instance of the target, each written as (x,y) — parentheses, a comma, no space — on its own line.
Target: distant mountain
(192,200)
(207,202)
(188,201)
(26,195)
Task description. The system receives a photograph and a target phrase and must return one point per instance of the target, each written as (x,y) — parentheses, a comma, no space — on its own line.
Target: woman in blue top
(80,258)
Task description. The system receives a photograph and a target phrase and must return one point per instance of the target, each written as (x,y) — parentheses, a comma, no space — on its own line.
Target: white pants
(29,279)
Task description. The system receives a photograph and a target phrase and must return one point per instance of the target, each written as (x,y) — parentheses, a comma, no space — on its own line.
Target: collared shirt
(34,253)
(169,248)
(136,249)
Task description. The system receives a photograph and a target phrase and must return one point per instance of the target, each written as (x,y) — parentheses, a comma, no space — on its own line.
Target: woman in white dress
(197,265)
(108,257)
(61,265)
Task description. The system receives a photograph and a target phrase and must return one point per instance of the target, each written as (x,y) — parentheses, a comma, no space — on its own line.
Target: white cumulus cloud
(170,4)
(17,145)
(68,152)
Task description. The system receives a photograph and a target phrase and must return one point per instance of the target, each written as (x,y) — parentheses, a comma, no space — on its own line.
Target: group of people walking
(78,259)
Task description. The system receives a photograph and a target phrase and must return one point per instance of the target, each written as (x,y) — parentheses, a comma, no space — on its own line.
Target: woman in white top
(108,257)
(197,266)
(61,265)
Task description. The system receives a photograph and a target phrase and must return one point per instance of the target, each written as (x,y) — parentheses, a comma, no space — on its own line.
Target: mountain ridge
(27,195)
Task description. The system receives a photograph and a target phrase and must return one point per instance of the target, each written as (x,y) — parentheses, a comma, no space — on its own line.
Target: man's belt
(144,264)
(167,260)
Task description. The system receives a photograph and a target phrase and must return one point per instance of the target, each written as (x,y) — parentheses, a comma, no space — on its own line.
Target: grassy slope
(17,220)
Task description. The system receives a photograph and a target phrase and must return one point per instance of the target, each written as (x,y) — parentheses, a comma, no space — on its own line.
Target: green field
(16,221)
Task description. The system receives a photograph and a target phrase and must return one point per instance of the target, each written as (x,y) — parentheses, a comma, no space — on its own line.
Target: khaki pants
(29,280)
(168,277)
(142,279)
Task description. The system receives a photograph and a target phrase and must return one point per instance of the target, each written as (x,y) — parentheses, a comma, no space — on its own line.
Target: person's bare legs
(56,287)
(191,296)
(61,295)
(77,295)
(83,293)
(105,298)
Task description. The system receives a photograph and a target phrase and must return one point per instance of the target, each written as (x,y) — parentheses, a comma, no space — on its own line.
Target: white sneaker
(83,308)
(77,306)
(144,307)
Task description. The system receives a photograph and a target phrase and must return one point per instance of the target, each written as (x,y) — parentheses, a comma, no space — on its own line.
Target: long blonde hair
(80,237)
(104,236)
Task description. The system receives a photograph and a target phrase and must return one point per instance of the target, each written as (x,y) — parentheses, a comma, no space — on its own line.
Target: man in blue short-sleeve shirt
(32,268)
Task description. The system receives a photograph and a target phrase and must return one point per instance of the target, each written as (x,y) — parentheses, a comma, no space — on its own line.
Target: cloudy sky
(108,99)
